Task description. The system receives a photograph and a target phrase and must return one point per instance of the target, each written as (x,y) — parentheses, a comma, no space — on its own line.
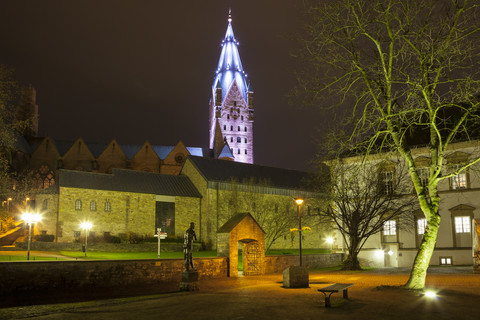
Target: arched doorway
(242,228)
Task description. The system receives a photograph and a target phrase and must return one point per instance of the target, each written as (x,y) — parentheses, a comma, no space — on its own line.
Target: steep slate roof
(236,219)
(130,181)
(230,69)
(225,171)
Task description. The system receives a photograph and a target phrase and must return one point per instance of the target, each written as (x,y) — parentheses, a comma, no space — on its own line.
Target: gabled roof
(226,171)
(236,219)
(130,181)
(226,152)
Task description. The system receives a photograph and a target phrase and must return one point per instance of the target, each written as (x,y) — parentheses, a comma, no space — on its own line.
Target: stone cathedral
(231,105)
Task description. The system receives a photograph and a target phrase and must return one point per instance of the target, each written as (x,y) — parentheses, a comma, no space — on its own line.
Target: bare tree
(402,67)
(275,214)
(362,202)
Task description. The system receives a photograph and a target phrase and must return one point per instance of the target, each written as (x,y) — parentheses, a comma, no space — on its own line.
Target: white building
(459,206)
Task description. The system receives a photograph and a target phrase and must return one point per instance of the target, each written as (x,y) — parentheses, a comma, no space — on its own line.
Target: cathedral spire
(231,105)
(230,67)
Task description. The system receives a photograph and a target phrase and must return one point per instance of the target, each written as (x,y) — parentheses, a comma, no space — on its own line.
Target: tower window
(224,127)
(93,205)
(234,103)
(245,129)
(108,206)
(242,118)
(238,151)
(245,151)
(245,140)
(231,139)
(239,140)
(78,204)
(238,128)
(231,128)
(228,117)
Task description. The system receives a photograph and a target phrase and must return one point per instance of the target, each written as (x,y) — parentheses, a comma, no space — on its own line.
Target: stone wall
(24,278)
(276,264)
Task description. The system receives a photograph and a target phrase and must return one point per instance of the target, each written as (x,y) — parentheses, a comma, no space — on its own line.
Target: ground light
(30,218)
(330,242)
(86,226)
(430,294)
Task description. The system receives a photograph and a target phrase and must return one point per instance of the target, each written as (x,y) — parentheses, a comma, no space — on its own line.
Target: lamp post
(299,202)
(86,226)
(8,204)
(30,218)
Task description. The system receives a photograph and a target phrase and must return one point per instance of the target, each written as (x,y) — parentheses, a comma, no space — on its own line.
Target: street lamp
(8,204)
(30,218)
(299,202)
(86,226)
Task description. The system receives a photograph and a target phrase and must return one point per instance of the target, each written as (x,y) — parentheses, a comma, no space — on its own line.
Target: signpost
(160,235)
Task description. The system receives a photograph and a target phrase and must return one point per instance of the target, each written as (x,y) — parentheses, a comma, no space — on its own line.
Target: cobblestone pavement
(376,295)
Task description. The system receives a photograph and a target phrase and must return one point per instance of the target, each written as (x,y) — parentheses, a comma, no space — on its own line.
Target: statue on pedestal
(188,246)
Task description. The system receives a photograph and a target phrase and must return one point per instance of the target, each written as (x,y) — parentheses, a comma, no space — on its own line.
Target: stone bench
(336,287)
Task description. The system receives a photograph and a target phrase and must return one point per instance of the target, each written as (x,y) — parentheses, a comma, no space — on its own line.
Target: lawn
(134,255)
(24,258)
(149,255)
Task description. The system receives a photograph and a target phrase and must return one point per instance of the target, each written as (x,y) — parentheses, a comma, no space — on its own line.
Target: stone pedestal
(295,277)
(189,281)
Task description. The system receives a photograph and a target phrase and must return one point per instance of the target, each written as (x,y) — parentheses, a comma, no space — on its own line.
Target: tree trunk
(351,262)
(422,260)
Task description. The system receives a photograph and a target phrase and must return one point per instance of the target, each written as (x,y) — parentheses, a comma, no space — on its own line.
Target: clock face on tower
(235,112)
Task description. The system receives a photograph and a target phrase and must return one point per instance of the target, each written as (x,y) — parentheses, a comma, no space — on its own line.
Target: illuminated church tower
(231,105)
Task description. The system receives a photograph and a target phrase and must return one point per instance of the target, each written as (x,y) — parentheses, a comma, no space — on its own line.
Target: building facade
(208,192)
(397,244)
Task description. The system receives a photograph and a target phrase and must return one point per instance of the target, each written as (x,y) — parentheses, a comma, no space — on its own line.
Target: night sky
(143,70)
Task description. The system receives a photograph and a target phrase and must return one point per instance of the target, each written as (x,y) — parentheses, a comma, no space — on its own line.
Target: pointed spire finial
(230,15)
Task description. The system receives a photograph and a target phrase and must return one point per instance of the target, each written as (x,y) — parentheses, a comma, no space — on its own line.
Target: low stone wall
(24,278)
(276,264)
(109,247)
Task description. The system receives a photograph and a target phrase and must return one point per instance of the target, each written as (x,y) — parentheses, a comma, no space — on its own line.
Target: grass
(282,252)
(150,255)
(24,258)
(134,255)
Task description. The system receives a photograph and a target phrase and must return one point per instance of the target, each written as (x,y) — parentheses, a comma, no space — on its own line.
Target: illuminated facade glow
(231,105)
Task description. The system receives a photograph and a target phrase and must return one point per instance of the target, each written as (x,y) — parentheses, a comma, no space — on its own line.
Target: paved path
(376,295)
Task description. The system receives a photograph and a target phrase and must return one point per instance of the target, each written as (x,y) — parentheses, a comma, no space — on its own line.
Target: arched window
(231,128)
(245,151)
(238,128)
(242,118)
(228,117)
(231,139)
(78,204)
(245,129)
(239,140)
(108,206)
(245,140)
(224,127)
(238,151)
(44,177)
(93,205)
